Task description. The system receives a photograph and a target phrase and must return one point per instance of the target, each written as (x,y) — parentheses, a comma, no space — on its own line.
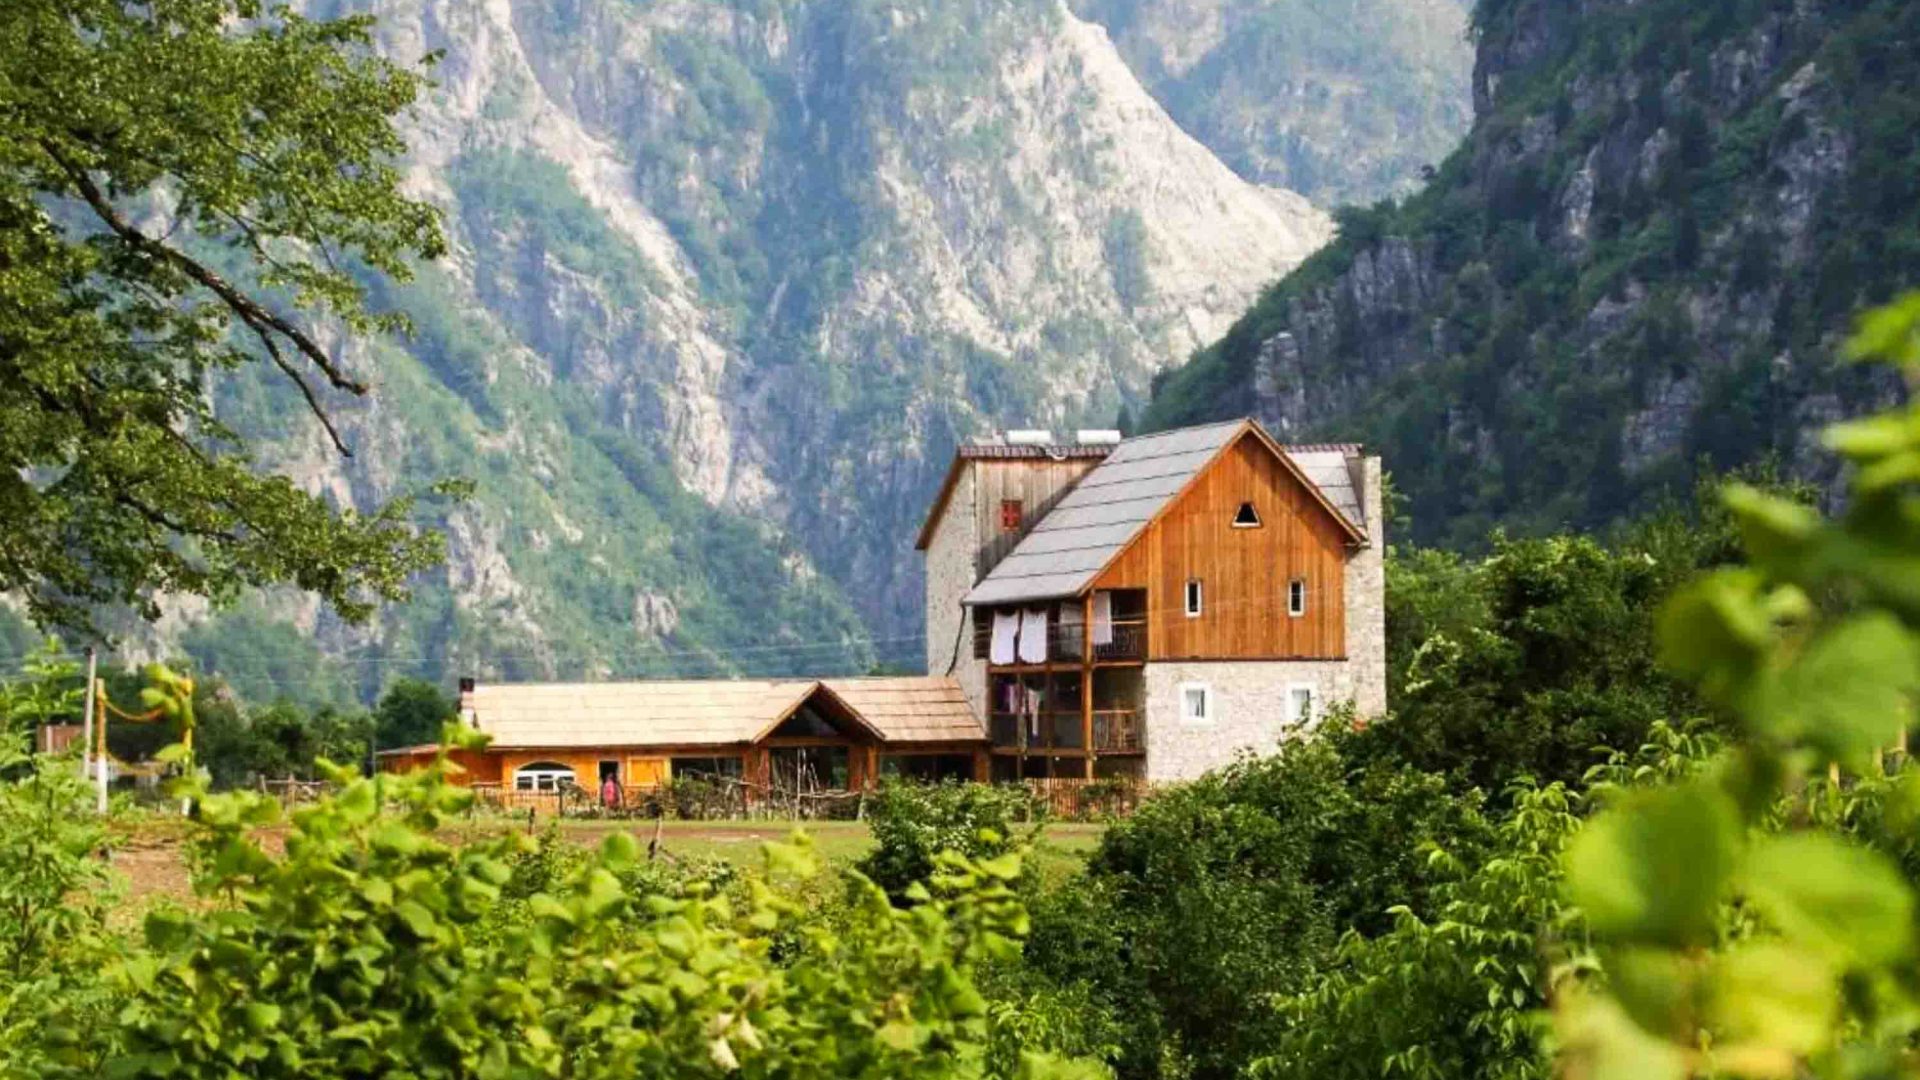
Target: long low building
(831,734)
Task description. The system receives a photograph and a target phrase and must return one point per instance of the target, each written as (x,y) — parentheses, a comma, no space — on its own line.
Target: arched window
(542,776)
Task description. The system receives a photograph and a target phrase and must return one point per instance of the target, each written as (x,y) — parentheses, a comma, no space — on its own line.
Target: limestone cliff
(729,280)
(1632,273)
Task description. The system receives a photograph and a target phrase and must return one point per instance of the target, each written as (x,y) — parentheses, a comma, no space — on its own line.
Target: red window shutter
(1010,512)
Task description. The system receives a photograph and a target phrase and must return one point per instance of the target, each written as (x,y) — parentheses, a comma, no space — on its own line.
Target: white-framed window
(1196,703)
(1297,597)
(542,776)
(1195,599)
(1303,704)
(1247,517)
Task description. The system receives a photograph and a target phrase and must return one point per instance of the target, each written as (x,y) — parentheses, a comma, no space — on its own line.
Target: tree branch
(313,403)
(263,322)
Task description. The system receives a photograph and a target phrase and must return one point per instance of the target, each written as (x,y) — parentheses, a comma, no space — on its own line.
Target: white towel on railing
(1103,618)
(1033,636)
(1006,627)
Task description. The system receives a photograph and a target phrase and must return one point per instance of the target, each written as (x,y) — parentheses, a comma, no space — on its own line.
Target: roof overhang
(1073,583)
(836,704)
(1356,535)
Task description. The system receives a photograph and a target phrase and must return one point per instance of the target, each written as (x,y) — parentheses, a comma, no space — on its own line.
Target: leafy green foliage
(369,948)
(264,144)
(52,690)
(1455,990)
(55,895)
(1238,886)
(1522,662)
(411,712)
(913,823)
(1813,647)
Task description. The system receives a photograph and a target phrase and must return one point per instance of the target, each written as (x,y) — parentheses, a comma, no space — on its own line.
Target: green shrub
(55,896)
(913,822)
(372,948)
(1235,887)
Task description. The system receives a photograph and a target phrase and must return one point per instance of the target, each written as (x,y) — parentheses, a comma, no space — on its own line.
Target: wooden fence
(729,798)
(1078,799)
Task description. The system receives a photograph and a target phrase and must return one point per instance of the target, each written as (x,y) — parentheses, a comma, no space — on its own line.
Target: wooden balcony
(1129,642)
(1056,731)
(1119,731)
(1066,642)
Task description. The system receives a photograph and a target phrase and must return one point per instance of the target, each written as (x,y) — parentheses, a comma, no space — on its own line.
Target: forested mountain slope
(1635,267)
(730,278)
(1343,101)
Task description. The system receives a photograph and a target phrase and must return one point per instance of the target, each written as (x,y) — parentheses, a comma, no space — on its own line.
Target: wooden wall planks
(1243,572)
(1037,484)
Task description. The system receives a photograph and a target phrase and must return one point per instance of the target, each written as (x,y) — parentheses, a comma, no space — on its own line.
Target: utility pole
(86,732)
(101,760)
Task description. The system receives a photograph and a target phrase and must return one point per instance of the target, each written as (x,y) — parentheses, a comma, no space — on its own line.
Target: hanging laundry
(1073,635)
(1033,636)
(1006,627)
(1103,618)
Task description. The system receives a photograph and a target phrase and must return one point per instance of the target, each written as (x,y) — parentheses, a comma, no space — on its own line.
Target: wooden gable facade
(1246,572)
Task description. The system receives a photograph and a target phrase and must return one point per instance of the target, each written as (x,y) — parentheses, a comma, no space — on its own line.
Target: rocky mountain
(1633,271)
(1344,101)
(730,278)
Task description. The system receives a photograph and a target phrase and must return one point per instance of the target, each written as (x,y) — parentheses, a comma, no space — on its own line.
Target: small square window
(1196,703)
(1194,598)
(1247,517)
(1297,597)
(1011,511)
(1300,704)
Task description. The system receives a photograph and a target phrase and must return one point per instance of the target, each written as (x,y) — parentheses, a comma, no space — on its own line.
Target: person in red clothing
(610,792)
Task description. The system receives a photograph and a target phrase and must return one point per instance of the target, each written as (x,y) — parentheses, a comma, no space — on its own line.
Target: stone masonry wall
(1250,710)
(1367,601)
(950,566)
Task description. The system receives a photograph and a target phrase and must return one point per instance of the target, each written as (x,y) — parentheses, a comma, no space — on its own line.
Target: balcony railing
(1066,642)
(1129,641)
(1118,731)
(1058,731)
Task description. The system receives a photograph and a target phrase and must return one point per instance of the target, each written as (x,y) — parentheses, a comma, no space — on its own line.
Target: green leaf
(1717,630)
(620,849)
(1652,870)
(1779,534)
(1768,996)
(1847,692)
(417,918)
(1842,901)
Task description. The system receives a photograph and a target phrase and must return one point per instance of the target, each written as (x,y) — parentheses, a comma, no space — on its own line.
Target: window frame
(555,775)
(1299,611)
(1013,514)
(1194,598)
(1209,704)
(1293,719)
(1249,508)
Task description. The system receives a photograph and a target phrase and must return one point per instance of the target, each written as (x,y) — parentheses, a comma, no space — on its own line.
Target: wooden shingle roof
(913,709)
(712,712)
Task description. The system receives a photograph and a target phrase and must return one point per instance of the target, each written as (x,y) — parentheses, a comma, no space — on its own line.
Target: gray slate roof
(1112,503)
(1330,472)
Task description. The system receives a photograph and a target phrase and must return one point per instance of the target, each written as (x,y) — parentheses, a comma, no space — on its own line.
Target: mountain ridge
(1633,273)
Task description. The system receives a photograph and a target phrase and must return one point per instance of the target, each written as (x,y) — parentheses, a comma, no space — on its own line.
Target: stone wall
(1367,600)
(1250,709)
(950,573)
